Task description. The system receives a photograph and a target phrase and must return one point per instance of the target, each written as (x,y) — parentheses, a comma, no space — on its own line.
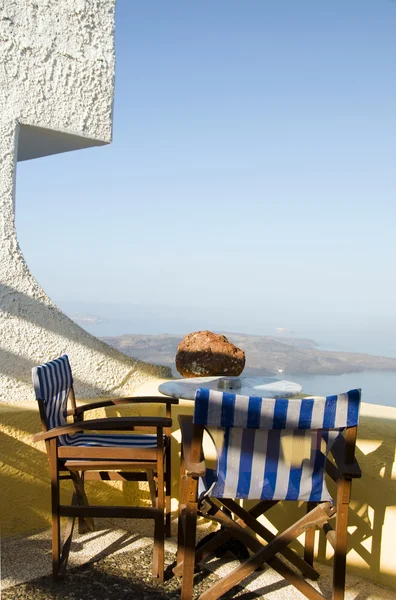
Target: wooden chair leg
(341,533)
(159,524)
(168,491)
(181,512)
(189,540)
(309,543)
(54,474)
(152,486)
(158,554)
(68,538)
(85,524)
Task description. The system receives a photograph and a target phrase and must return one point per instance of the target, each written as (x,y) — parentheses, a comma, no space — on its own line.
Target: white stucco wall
(56,73)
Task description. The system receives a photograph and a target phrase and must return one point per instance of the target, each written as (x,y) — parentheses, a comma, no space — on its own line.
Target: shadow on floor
(122,576)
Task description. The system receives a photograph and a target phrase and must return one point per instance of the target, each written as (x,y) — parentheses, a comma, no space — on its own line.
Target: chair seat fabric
(109,440)
(271,465)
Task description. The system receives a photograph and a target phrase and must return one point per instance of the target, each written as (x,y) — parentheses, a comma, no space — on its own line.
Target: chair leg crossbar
(81,509)
(263,544)
(85,524)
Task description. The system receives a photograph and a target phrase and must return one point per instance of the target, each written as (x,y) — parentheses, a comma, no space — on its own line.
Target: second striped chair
(268,450)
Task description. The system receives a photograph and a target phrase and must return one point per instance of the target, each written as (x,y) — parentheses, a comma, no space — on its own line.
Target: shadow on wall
(13,366)
(373,506)
(24,470)
(24,474)
(49,318)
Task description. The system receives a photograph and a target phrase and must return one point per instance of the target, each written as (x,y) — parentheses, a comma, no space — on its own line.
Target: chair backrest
(53,383)
(274,449)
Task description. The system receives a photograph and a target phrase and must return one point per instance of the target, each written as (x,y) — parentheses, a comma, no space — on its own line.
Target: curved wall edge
(59,86)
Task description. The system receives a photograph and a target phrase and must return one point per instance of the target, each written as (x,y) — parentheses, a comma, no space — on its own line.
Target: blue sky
(252,165)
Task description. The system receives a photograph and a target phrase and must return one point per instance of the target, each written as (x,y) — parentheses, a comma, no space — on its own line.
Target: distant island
(265,355)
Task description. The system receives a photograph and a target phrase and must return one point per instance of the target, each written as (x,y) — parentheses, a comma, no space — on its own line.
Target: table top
(262,387)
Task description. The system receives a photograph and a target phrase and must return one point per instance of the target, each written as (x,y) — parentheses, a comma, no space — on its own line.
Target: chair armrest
(117,401)
(192,468)
(117,423)
(347,470)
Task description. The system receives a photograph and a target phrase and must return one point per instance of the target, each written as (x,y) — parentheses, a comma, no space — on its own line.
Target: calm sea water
(378,387)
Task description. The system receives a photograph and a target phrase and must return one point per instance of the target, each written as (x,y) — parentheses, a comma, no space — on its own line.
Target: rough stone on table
(203,354)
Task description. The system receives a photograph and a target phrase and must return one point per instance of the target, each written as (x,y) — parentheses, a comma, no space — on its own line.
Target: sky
(252,167)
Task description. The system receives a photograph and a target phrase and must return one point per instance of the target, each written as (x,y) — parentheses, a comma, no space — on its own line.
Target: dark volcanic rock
(205,354)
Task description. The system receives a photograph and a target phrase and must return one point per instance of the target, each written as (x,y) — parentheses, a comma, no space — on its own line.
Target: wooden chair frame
(81,463)
(263,544)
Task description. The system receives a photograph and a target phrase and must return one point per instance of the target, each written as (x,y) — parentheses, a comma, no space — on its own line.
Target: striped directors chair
(83,450)
(268,450)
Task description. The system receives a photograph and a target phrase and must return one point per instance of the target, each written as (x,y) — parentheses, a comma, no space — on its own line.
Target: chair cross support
(315,518)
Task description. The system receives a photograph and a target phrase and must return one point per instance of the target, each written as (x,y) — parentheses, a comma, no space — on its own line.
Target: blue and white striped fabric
(274,449)
(52,383)
(107,440)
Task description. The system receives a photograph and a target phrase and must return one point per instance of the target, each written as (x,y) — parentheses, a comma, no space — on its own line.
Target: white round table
(261,387)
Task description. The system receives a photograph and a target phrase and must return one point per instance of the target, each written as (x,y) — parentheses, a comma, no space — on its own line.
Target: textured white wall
(56,72)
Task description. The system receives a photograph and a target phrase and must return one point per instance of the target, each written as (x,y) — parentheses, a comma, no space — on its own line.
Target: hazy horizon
(348,333)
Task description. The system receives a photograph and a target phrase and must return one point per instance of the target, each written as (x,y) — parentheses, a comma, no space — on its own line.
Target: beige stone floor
(26,558)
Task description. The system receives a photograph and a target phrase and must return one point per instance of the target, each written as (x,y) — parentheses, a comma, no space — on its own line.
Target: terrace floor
(116,564)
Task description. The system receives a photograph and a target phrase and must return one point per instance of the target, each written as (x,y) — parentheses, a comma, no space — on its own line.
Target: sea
(349,333)
(378,387)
